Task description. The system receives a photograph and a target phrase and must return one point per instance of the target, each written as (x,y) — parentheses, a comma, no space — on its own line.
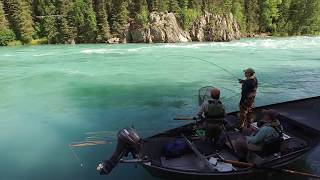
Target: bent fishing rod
(211,63)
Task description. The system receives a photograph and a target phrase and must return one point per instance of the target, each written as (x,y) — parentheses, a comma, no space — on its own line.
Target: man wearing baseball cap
(269,128)
(213,113)
(248,94)
(267,138)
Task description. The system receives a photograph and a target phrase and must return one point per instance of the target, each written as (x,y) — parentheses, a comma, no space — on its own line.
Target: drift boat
(300,120)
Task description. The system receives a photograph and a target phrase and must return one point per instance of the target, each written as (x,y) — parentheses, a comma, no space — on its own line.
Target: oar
(198,154)
(287,171)
(184,119)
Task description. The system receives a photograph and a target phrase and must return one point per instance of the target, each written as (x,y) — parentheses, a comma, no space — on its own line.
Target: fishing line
(212,63)
(218,66)
(76,156)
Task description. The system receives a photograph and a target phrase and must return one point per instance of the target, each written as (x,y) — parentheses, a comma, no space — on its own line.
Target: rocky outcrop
(165,28)
(113,40)
(162,28)
(215,28)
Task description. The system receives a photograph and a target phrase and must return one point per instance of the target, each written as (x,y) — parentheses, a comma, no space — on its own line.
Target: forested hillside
(89,21)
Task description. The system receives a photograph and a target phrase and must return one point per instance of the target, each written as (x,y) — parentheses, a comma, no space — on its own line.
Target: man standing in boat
(248,94)
(213,113)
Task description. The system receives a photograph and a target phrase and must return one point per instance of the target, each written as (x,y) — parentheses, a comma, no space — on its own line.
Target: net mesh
(204,94)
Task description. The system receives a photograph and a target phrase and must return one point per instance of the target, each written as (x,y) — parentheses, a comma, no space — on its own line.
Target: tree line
(89,21)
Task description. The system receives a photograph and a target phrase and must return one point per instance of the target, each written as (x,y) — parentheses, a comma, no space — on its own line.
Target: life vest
(216,111)
(273,145)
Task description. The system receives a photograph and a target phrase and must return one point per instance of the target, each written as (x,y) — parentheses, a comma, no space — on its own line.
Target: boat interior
(297,138)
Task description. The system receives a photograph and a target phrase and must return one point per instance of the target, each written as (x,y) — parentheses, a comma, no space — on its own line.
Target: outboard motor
(128,142)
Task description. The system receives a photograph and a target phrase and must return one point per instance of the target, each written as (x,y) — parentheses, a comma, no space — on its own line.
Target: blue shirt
(266,132)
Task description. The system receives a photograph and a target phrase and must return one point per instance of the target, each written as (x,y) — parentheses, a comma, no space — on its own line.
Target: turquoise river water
(53,95)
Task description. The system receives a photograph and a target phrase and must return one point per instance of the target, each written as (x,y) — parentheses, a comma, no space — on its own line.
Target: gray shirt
(204,107)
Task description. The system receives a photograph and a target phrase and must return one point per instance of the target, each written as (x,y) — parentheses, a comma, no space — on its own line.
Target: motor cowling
(128,142)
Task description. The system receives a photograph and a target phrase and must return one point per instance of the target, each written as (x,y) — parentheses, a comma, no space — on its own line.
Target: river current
(54,95)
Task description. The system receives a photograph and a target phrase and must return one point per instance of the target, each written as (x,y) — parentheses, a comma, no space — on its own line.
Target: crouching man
(267,138)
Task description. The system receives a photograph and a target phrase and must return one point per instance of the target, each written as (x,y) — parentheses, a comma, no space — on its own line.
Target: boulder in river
(113,40)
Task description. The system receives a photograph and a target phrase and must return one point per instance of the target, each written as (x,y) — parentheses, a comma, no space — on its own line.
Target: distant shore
(43,41)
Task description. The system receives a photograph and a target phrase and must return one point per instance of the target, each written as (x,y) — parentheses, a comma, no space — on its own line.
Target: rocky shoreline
(165,28)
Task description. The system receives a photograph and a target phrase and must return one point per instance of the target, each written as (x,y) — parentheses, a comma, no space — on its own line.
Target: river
(53,95)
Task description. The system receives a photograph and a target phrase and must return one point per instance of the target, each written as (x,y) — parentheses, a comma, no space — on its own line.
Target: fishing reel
(128,142)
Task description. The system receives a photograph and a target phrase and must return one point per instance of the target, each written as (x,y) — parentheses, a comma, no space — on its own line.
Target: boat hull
(166,173)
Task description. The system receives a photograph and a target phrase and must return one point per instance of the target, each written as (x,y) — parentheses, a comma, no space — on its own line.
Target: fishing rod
(214,64)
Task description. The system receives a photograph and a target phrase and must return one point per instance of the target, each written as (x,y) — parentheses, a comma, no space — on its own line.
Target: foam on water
(102,51)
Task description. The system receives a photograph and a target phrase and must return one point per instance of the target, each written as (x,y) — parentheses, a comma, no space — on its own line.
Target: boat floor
(189,162)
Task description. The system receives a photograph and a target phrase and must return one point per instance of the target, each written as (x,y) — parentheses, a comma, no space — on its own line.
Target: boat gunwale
(294,155)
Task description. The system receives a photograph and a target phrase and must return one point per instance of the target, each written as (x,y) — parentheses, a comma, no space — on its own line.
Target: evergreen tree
(195,4)
(20,19)
(159,5)
(188,15)
(284,24)
(103,33)
(62,21)
(66,33)
(311,17)
(140,13)
(183,4)
(6,34)
(119,17)
(3,20)
(238,12)
(173,6)
(268,14)
(83,19)
(45,25)
(252,11)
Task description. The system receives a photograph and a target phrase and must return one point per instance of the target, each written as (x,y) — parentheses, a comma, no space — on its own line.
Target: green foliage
(139,12)
(305,16)
(85,21)
(45,27)
(6,36)
(103,33)
(188,17)
(120,17)
(269,14)
(195,4)
(284,24)
(238,12)
(173,6)
(3,20)
(159,5)
(66,32)
(252,12)
(183,4)
(20,19)
(143,17)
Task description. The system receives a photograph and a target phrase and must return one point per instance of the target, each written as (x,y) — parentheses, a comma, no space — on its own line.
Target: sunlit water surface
(53,95)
